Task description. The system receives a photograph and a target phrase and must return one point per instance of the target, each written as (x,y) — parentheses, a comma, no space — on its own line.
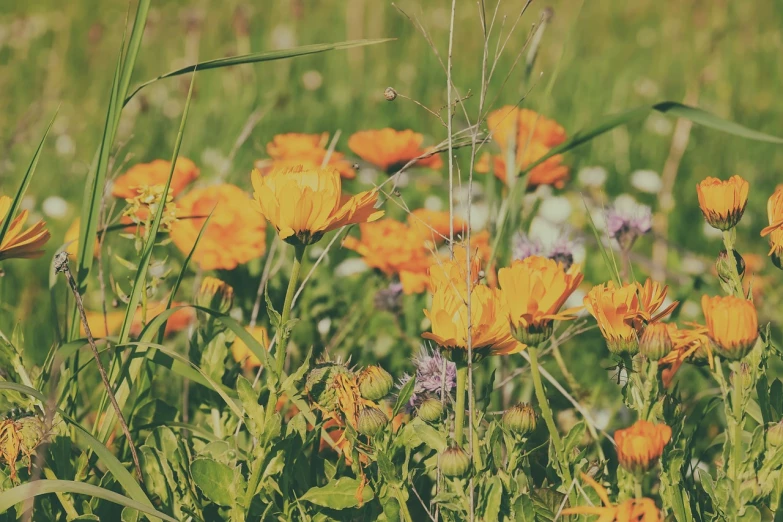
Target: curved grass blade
(13,496)
(609,260)
(265,56)
(118,471)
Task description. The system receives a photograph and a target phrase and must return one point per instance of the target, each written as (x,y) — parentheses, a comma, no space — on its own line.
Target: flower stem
(728,242)
(284,332)
(543,403)
(737,436)
(459,409)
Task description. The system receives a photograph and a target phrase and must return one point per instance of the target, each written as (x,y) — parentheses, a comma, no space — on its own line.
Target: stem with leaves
(284,331)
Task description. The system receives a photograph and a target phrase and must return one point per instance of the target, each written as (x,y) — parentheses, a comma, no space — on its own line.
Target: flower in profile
(395,249)
(640,446)
(723,202)
(632,510)
(155,173)
(535,289)
(732,325)
(430,377)
(390,149)
(303,204)
(434,225)
(215,294)
(562,251)
(242,353)
(310,150)
(18,243)
(235,234)
(626,224)
(775,228)
(690,344)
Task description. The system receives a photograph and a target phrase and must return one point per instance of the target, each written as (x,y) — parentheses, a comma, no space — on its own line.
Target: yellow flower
(235,234)
(732,325)
(640,446)
(723,202)
(775,228)
(489,331)
(303,204)
(394,249)
(632,510)
(689,344)
(243,355)
(433,225)
(535,289)
(289,150)
(18,243)
(155,173)
(390,149)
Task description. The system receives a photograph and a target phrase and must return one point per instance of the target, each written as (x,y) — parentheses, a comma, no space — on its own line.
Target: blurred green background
(596,58)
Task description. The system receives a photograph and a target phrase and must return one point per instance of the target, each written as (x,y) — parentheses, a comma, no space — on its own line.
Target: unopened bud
(371,421)
(431,410)
(532,334)
(655,342)
(375,383)
(521,419)
(215,295)
(724,268)
(390,94)
(454,462)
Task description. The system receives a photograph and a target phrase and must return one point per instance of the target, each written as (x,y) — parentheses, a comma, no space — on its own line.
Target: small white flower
(556,209)
(55,207)
(324,325)
(433,203)
(283,37)
(312,80)
(658,124)
(351,266)
(646,181)
(65,145)
(592,176)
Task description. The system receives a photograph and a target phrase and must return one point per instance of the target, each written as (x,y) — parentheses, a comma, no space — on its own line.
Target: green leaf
(215,480)
(494,497)
(255,412)
(429,435)
(152,464)
(342,493)
(404,396)
(524,511)
(275,319)
(574,436)
(266,56)
(30,490)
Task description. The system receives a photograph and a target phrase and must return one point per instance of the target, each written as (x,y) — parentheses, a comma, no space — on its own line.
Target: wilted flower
(640,446)
(535,289)
(308,150)
(321,385)
(723,202)
(775,228)
(390,150)
(625,225)
(732,324)
(454,462)
(18,243)
(375,383)
(520,419)
(688,344)
(303,204)
(242,353)
(632,510)
(155,174)
(215,294)
(235,234)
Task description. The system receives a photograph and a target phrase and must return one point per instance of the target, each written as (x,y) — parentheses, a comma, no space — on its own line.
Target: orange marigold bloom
(732,324)
(155,173)
(550,172)
(640,446)
(18,243)
(489,331)
(390,149)
(433,225)
(623,312)
(723,202)
(632,510)
(303,204)
(395,249)
(310,150)
(177,322)
(535,289)
(235,234)
(529,126)
(688,344)
(243,355)
(775,228)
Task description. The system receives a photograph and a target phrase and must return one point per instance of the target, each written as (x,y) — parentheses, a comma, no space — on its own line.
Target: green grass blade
(117,469)
(609,260)
(13,496)
(25,182)
(134,44)
(265,56)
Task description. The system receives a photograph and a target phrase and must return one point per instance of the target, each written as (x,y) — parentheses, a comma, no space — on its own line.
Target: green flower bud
(454,462)
(724,268)
(431,410)
(320,383)
(655,342)
(375,383)
(371,421)
(215,295)
(521,419)
(622,346)
(775,436)
(533,335)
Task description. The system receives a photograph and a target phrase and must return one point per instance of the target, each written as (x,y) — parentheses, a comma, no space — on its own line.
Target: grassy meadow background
(596,58)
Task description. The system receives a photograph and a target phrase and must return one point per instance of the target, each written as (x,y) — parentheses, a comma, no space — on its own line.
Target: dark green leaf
(404,396)
(215,480)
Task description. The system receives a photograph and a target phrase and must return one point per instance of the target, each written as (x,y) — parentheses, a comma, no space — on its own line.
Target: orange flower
(303,204)
(454,272)
(390,149)
(529,126)
(177,322)
(394,249)
(632,510)
(623,312)
(243,355)
(433,225)
(550,172)
(310,150)
(155,173)
(535,289)
(17,243)
(235,234)
(692,345)
(732,325)
(640,446)
(723,202)
(775,228)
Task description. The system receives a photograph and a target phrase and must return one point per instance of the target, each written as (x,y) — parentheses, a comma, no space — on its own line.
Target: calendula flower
(510,125)
(690,344)
(732,325)
(550,172)
(775,228)
(640,446)
(243,355)
(394,248)
(235,234)
(489,331)
(144,206)
(177,322)
(10,444)
(632,510)
(723,202)
(18,243)
(303,204)
(535,289)
(215,294)
(310,150)
(433,225)
(155,173)
(623,312)
(390,149)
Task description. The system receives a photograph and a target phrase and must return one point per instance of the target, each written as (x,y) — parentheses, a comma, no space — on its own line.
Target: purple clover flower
(524,246)
(626,224)
(429,376)
(562,251)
